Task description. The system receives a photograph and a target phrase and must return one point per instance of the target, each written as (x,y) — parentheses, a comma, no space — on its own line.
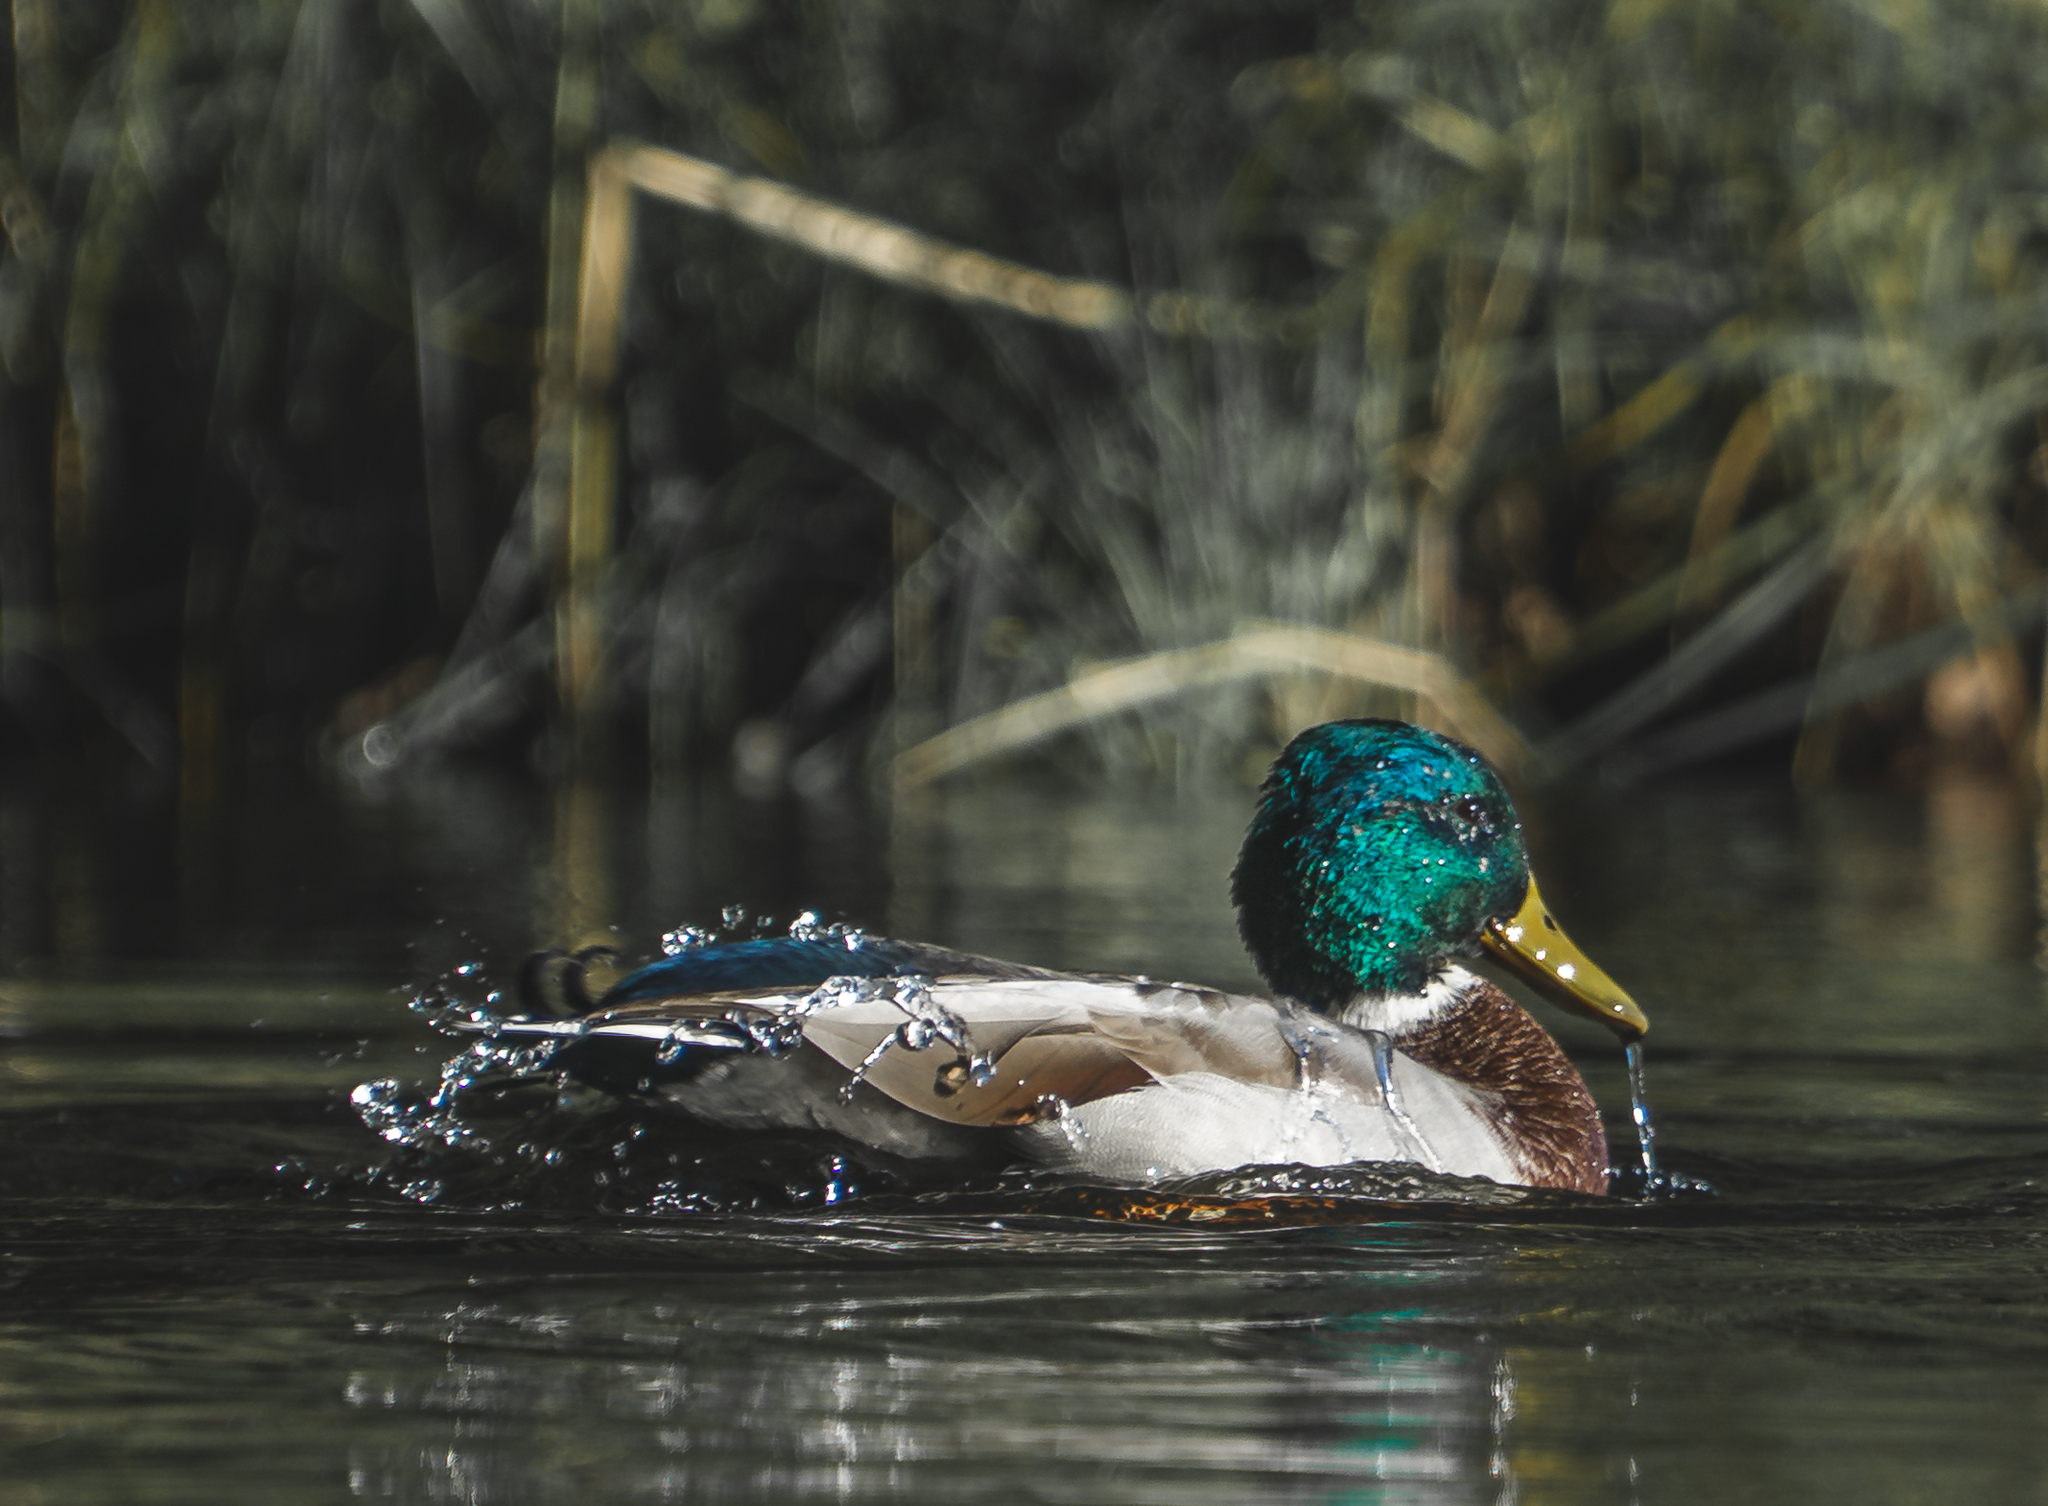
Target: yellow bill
(1535,949)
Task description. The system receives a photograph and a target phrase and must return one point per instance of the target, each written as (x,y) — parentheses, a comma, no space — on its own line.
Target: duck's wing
(668,1021)
(981,1051)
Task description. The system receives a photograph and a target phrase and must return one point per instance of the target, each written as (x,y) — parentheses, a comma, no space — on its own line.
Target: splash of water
(808,927)
(777,1028)
(685,939)
(779,1032)
(735,921)
(1383,1069)
(437,1119)
(1639,1106)
(443,1007)
(1302,1032)
(1657,1182)
(927,1021)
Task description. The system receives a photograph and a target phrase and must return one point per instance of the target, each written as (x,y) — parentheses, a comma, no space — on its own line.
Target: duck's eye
(1470,813)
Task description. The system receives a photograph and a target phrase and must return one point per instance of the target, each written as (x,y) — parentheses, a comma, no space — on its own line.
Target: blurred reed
(1665,378)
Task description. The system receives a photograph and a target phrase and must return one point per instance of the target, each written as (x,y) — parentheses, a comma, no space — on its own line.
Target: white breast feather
(1196,1122)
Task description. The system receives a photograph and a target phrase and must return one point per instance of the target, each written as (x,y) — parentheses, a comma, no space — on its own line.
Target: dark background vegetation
(1647,360)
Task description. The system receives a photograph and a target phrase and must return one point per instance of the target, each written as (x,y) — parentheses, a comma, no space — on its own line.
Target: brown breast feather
(1538,1103)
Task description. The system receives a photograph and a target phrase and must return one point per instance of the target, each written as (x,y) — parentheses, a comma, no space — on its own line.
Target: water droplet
(684,939)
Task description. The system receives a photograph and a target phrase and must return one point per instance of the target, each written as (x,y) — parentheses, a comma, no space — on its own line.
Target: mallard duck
(1380,855)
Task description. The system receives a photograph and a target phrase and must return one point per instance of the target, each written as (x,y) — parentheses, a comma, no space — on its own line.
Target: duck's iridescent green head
(1379,849)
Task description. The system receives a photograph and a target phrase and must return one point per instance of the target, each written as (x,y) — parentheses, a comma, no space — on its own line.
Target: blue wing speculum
(774,962)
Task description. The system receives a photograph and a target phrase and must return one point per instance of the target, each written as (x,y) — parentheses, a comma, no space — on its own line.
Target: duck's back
(800,962)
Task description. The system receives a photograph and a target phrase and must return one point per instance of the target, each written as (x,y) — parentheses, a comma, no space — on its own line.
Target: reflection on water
(219,1286)
(1186,1383)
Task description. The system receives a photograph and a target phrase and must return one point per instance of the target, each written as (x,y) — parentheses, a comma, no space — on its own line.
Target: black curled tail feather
(552,983)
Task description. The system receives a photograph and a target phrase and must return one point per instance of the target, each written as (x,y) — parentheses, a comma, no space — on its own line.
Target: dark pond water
(217,1286)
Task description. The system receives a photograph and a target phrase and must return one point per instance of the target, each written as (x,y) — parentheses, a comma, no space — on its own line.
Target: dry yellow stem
(1258,651)
(873,245)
